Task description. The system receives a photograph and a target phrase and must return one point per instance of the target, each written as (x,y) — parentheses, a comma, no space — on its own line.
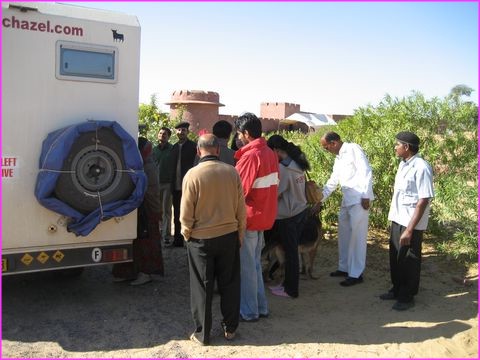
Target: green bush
(448,132)
(153,120)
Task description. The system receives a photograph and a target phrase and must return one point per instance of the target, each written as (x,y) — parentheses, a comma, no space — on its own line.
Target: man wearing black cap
(183,157)
(409,212)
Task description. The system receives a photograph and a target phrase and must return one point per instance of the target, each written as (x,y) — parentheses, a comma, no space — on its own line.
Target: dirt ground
(45,316)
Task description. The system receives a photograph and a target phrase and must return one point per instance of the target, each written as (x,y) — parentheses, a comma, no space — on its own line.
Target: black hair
(169,132)
(292,150)
(142,142)
(249,122)
(413,148)
(331,136)
(409,138)
(233,144)
(222,129)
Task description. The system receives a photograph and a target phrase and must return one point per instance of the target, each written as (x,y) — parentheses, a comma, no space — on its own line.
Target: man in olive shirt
(163,160)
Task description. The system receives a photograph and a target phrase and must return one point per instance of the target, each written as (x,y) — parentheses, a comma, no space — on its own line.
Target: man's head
(182,131)
(222,129)
(164,135)
(407,144)
(142,129)
(145,147)
(207,145)
(248,127)
(331,142)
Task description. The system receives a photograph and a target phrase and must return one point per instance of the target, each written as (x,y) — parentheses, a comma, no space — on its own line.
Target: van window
(86,62)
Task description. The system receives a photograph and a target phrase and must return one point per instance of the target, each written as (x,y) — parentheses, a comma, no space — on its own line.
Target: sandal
(229,335)
(196,340)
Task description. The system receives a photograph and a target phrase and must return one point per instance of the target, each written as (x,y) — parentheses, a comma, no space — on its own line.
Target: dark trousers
(176,198)
(405,263)
(210,259)
(289,231)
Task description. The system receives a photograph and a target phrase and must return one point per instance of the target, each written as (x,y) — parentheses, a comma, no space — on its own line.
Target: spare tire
(92,173)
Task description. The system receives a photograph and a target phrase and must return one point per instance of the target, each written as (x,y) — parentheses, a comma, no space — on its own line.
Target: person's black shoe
(402,306)
(338,273)
(349,281)
(264,316)
(388,296)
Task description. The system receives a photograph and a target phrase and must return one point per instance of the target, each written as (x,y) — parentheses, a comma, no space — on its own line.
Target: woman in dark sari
(147,251)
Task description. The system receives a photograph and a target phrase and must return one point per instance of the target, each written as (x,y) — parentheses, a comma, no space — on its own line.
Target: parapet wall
(268,125)
(195,96)
(278,110)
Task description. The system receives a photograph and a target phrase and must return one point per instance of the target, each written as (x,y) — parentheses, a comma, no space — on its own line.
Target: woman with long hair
(292,209)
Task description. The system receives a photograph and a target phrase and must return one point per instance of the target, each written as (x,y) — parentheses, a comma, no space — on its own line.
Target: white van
(68,70)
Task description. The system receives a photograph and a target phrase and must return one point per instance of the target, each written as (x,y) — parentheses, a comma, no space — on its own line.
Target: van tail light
(111,255)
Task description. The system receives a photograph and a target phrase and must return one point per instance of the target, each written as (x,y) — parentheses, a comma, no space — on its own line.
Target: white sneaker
(141,279)
(276,287)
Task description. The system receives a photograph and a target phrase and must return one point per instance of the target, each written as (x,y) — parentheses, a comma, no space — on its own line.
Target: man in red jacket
(257,166)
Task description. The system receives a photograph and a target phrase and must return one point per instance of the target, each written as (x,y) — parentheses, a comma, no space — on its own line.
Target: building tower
(200,108)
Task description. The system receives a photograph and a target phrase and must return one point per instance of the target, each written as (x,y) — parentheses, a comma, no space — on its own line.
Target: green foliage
(448,132)
(153,120)
(150,116)
(460,90)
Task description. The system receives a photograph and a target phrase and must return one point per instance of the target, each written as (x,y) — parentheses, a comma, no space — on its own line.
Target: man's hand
(406,237)
(366,204)
(315,209)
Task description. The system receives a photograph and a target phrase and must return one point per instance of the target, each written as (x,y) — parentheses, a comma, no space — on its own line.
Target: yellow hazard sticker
(42,257)
(27,259)
(4,265)
(58,256)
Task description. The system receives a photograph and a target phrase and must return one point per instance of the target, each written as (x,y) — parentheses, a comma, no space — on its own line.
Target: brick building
(200,109)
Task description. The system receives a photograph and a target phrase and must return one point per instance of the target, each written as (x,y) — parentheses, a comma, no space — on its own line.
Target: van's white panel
(35,102)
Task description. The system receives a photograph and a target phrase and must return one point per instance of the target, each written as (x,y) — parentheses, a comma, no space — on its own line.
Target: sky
(329,58)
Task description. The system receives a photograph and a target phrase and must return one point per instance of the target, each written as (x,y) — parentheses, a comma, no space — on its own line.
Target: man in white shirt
(352,172)
(409,211)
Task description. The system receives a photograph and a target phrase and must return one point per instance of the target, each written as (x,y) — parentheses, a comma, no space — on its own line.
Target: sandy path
(44,316)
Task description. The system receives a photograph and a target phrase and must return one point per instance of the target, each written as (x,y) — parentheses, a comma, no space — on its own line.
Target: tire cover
(56,148)
(93,172)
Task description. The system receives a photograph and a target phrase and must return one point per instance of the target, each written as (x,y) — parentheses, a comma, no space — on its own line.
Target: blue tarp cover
(55,149)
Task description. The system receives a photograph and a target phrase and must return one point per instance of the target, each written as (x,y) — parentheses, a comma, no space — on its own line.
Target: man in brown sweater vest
(212,215)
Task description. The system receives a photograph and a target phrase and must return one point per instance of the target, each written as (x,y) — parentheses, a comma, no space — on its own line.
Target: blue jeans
(253,301)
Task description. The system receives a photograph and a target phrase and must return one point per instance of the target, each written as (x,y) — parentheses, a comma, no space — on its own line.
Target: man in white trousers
(353,173)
